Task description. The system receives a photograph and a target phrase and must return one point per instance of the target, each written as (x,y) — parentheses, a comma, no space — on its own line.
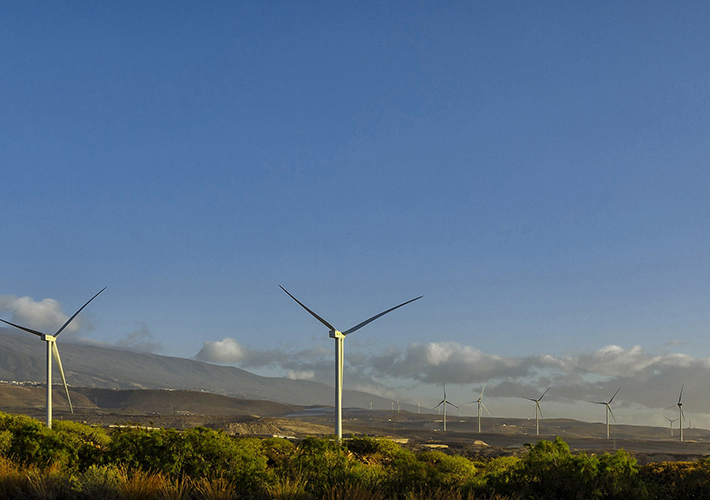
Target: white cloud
(45,316)
(300,375)
(140,340)
(223,351)
(650,381)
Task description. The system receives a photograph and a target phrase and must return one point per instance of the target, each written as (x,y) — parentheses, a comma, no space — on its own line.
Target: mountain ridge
(23,359)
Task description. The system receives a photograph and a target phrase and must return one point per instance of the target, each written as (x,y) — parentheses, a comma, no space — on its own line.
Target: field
(500,437)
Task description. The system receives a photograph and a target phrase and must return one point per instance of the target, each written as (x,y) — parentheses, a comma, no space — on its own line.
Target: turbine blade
(612,413)
(543,394)
(55,351)
(29,330)
(328,325)
(450,403)
(357,327)
(529,399)
(75,314)
(484,388)
(681,393)
(617,392)
(442,402)
(540,408)
(484,407)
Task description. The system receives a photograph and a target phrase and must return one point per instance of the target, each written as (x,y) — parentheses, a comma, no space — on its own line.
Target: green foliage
(551,471)
(77,461)
(375,448)
(68,444)
(321,463)
(198,452)
(677,480)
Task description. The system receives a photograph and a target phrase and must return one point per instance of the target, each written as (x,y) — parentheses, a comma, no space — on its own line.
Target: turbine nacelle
(335,334)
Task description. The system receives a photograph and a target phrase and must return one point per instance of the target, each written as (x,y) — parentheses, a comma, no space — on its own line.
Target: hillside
(22,358)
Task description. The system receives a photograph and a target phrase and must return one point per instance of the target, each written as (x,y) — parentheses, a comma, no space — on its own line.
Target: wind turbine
(680,410)
(537,410)
(53,351)
(339,337)
(608,410)
(480,404)
(445,402)
(670,421)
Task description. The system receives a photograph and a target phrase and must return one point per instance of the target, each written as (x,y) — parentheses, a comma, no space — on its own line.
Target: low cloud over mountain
(650,380)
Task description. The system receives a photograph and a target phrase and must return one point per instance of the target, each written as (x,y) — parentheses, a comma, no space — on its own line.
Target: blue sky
(538,171)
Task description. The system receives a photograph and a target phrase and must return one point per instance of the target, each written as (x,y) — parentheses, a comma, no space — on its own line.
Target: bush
(677,480)
(551,471)
(197,452)
(69,444)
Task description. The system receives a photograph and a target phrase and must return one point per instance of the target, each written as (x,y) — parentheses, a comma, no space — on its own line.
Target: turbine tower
(670,422)
(52,351)
(445,402)
(480,404)
(339,337)
(608,410)
(538,410)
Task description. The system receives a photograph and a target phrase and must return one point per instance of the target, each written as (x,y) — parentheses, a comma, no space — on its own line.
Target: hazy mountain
(22,358)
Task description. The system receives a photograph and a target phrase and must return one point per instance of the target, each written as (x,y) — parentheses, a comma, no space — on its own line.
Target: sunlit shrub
(551,471)
(69,444)
(678,480)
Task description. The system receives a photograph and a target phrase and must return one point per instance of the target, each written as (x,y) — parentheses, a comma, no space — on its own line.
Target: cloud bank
(47,316)
(647,380)
(44,316)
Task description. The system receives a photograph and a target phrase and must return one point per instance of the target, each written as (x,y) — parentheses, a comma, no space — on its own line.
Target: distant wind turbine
(443,404)
(608,410)
(679,404)
(479,403)
(52,351)
(670,421)
(339,337)
(538,410)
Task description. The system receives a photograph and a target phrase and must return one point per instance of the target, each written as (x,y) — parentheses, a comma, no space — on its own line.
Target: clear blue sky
(539,171)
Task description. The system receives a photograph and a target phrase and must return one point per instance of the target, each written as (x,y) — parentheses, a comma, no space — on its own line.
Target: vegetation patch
(74,461)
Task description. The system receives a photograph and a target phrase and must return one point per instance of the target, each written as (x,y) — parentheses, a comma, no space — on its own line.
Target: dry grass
(287,489)
(140,485)
(177,489)
(215,489)
(353,493)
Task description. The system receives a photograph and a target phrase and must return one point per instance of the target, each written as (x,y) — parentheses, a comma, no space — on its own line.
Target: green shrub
(68,444)
(551,471)
(677,480)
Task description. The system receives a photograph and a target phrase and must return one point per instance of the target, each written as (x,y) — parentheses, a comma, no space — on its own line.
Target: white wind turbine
(480,404)
(445,402)
(670,422)
(681,417)
(339,337)
(608,410)
(538,410)
(52,351)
